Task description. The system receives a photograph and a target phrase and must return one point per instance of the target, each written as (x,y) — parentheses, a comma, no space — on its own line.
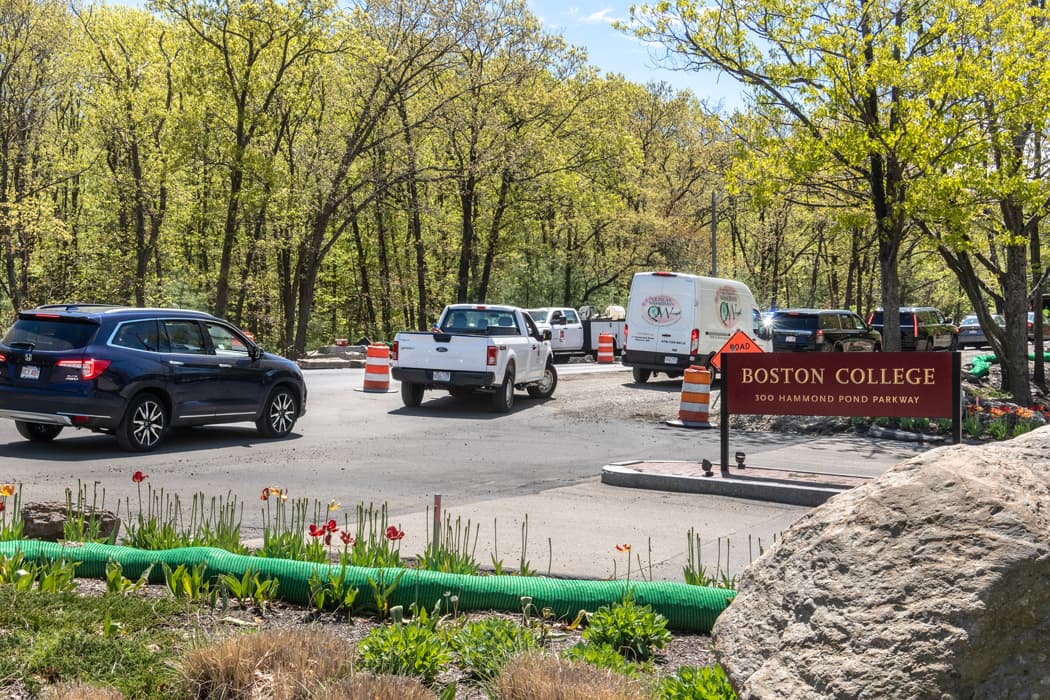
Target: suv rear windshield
(794,322)
(49,334)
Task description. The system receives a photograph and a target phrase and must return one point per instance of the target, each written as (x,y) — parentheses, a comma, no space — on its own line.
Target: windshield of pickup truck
(538,315)
(480,322)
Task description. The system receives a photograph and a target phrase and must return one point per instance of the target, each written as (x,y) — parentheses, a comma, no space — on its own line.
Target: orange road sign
(738,342)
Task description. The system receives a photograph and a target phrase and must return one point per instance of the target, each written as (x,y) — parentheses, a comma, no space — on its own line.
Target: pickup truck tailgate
(441,351)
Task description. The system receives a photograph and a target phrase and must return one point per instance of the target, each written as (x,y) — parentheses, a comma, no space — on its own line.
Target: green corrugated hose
(982,363)
(686,607)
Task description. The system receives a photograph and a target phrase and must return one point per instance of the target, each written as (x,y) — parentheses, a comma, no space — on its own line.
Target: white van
(675,320)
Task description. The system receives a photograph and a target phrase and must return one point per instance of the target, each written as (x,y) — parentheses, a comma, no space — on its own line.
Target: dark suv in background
(136,372)
(922,328)
(835,330)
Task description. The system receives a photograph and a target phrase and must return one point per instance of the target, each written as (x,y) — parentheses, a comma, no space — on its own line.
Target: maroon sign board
(891,384)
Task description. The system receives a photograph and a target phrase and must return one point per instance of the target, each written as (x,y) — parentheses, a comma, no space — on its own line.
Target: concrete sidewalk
(794,487)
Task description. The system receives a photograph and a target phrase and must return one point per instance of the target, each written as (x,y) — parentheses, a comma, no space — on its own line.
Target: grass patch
(126,642)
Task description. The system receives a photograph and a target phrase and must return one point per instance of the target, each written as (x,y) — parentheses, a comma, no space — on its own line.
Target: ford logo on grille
(442,349)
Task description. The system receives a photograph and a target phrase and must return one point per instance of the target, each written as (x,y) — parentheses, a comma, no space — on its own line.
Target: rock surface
(931,581)
(46,521)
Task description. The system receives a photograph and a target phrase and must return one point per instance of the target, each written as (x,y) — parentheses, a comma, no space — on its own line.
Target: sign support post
(723,421)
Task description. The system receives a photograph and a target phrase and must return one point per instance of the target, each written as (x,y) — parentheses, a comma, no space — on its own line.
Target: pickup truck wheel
(544,388)
(503,399)
(641,376)
(411,394)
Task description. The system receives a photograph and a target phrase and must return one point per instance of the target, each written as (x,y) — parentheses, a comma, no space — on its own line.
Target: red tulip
(332,526)
(392,533)
(139,477)
(347,538)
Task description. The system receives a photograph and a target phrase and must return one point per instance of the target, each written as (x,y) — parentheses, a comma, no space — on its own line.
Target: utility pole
(714,233)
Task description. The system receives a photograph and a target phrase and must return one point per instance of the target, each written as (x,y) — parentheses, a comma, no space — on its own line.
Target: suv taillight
(3,358)
(819,336)
(491,355)
(694,341)
(393,351)
(915,324)
(89,368)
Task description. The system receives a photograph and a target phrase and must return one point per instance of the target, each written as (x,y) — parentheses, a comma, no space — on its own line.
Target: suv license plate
(668,360)
(30,372)
(789,339)
(442,376)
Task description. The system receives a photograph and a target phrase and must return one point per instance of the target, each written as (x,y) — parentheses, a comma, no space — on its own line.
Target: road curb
(751,486)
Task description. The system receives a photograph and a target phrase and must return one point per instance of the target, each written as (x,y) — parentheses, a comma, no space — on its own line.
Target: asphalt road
(539,462)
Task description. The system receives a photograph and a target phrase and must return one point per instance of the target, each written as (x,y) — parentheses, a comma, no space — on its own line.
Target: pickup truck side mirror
(255,352)
(545,334)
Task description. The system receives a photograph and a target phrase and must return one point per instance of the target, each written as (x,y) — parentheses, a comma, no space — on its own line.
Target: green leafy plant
(57,576)
(633,630)
(160,522)
(998,429)
(696,574)
(117,583)
(1021,427)
(691,682)
(17,572)
(603,656)
(942,425)
(972,424)
(332,591)
(414,648)
(252,589)
(452,551)
(376,543)
(381,592)
(189,583)
(485,644)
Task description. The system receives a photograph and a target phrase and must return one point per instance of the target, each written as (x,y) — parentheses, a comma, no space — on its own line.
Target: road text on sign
(738,342)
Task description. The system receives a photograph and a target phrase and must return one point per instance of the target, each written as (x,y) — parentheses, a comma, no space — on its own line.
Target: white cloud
(599,17)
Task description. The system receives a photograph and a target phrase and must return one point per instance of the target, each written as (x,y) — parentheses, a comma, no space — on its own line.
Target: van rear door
(663,313)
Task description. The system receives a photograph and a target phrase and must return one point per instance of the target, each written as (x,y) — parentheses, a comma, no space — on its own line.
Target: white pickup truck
(476,347)
(576,333)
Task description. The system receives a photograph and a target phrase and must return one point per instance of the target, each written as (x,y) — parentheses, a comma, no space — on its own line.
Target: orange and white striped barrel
(377,368)
(696,398)
(605,348)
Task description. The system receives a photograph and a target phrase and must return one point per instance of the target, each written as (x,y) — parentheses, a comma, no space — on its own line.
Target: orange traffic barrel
(696,399)
(377,368)
(605,348)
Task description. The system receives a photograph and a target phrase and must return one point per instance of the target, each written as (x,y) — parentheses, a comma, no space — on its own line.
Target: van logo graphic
(729,307)
(662,310)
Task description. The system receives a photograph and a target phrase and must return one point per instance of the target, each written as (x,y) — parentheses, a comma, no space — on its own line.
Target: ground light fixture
(706,463)
(740,457)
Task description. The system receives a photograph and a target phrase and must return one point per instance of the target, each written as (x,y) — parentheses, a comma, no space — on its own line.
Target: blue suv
(134,373)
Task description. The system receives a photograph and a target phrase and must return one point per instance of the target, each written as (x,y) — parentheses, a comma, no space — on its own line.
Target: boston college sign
(891,384)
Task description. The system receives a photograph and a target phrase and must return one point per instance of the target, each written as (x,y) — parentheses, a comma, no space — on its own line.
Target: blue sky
(588,24)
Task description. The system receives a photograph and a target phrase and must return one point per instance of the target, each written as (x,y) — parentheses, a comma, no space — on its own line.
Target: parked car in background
(134,373)
(821,330)
(1031,328)
(971,334)
(922,328)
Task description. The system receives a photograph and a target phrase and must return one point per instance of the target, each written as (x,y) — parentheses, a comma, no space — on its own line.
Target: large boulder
(931,581)
(46,521)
